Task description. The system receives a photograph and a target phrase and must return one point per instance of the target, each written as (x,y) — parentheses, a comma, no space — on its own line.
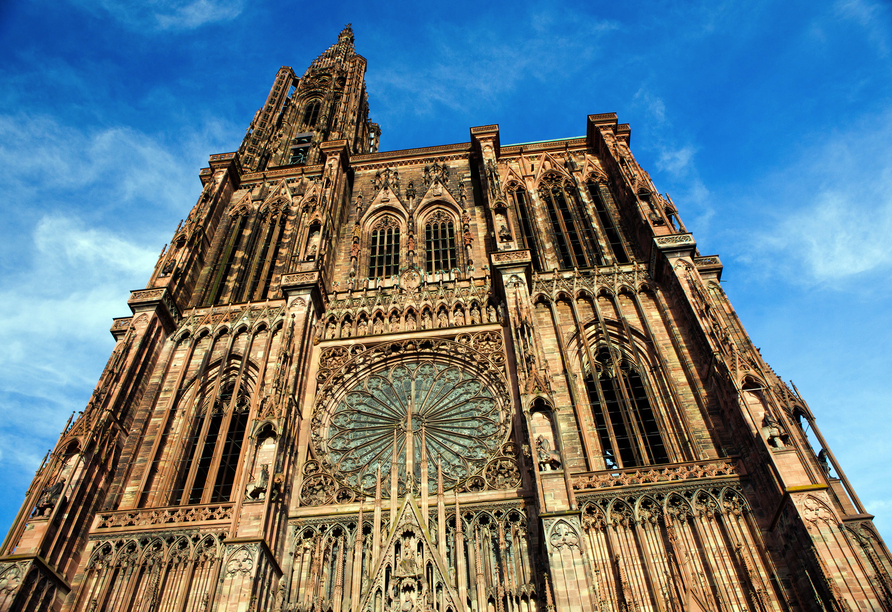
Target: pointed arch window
(610,229)
(212,450)
(311,113)
(439,239)
(518,197)
(624,419)
(384,248)
(571,234)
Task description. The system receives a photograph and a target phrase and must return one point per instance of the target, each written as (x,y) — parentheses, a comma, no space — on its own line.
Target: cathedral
(470,377)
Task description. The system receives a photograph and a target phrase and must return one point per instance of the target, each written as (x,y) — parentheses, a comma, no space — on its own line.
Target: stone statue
(426,320)
(771,431)
(504,232)
(411,323)
(459,317)
(548,459)
(362,328)
(332,330)
(312,246)
(49,498)
(378,326)
(491,313)
(442,319)
(257,488)
(394,323)
(475,315)
(823,460)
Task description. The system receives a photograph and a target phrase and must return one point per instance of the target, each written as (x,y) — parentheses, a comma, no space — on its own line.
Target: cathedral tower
(465,378)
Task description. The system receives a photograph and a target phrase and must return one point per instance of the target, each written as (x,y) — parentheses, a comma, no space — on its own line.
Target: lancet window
(571,234)
(439,236)
(311,113)
(208,465)
(624,419)
(384,248)
(610,229)
(518,196)
(246,266)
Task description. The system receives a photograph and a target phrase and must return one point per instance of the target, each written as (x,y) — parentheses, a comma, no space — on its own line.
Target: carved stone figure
(257,488)
(411,323)
(548,459)
(378,326)
(459,317)
(823,460)
(312,245)
(362,328)
(49,498)
(331,330)
(491,313)
(394,323)
(442,319)
(426,320)
(772,432)
(475,315)
(503,231)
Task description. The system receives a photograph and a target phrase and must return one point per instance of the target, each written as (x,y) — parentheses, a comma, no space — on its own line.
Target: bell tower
(329,102)
(471,377)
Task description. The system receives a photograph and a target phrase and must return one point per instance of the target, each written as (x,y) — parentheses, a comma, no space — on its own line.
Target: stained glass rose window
(444,410)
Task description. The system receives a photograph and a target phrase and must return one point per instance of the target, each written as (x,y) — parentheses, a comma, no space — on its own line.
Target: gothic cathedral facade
(461,378)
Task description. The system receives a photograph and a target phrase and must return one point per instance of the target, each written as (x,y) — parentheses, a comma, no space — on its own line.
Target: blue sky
(769,124)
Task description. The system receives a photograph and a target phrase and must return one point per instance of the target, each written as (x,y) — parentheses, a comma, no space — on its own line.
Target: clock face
(406,411)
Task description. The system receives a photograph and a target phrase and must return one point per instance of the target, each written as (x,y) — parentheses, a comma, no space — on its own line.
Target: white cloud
(54,319)
(123,163)
(675,161)
(874,17)
(87,210)
(169,15)
(471,63)
(830,212)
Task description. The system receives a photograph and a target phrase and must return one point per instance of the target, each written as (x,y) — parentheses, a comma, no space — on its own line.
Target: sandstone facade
(468,377)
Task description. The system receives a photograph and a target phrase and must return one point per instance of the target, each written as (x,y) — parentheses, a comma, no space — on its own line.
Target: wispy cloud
(54,316)
(86,212)
(829,214)
(166,15)
(470,63)
(874,17)
(676,168)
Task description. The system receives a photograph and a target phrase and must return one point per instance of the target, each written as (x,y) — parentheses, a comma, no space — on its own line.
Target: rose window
(398,414)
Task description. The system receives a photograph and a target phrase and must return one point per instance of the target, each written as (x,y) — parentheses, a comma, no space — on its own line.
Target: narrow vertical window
(311,113)
(521,205)
(212,451)
(572,237)
(439,235)
(610,230)
(624,420)
(384,248)
(232,451)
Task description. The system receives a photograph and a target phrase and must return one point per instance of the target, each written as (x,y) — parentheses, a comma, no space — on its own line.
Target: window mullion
(220,444)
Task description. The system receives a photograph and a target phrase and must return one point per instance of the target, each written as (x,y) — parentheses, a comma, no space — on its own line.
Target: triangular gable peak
(401,577)
(437,192)
(546,163)
(242,203)
(512,177)
(279,193)
(593,168)
(386,199)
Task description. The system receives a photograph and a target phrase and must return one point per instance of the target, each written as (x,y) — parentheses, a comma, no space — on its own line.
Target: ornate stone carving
(637,476)
(164,516)
(446,396)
